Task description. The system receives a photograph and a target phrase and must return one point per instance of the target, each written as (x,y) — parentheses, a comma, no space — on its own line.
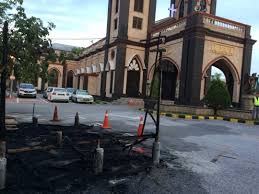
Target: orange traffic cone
(106,124)
(141,127)
(55,114)
(139,150)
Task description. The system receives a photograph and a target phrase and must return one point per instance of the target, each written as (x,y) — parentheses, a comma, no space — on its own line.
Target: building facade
(121,65)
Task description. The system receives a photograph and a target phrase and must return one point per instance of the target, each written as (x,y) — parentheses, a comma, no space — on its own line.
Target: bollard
(77,120)
(3,163)
(35,121)
(2,149)
(156,153)
(59,138)
(99,152)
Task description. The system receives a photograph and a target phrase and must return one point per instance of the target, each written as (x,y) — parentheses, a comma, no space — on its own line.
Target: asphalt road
(202,156)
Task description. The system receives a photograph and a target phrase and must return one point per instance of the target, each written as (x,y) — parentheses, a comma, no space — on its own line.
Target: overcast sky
(82,19)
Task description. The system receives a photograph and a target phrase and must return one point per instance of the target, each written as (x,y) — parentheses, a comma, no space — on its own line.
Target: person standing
(256,107)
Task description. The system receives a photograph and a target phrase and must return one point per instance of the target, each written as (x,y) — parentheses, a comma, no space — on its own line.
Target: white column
(236,90)
(141,81)
(81,85)
(202,89)
(39,83)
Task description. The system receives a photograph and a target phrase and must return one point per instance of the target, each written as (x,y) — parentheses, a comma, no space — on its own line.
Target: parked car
(70,91)
(26,90)
(58,94)
(82,96)
(46,92)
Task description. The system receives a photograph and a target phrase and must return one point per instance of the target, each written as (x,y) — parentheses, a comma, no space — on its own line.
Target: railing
(174,28)
(223,24)
(208,21)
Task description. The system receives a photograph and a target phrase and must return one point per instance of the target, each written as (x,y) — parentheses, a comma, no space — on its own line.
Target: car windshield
(49,89)
(82,92)
(70,90)
(60,90)
(26,86)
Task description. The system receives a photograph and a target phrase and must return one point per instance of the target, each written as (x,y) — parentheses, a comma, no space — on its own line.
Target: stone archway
(70,79)
(54,75)
(169,75)
(133,78)
(232,78)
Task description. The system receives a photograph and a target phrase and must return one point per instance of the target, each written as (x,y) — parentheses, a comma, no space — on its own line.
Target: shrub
(218,96)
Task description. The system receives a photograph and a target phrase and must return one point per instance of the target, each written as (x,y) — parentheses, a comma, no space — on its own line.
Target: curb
(198,117)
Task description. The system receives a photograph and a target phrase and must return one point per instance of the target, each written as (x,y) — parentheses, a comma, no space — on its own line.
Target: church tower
(186,7)
(129,22)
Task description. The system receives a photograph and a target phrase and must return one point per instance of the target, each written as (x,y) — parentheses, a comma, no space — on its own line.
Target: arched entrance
(228,74)
(70,79)
(169,75)
(53,78)
(133,78)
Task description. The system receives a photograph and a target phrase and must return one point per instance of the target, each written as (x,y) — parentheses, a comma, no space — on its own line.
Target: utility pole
(149,102)
(3,81)
(3,160)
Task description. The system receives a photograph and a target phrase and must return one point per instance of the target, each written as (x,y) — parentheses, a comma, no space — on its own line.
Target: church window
(203,5)
(181,10)
(117,6)
(133,66)
(137,22)
(139,4)
(115,24)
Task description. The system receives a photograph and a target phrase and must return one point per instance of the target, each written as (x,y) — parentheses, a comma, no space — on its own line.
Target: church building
(121,64)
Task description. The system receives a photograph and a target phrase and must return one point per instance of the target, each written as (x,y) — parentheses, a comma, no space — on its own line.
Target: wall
(136,34)
(173,51)
(231,51)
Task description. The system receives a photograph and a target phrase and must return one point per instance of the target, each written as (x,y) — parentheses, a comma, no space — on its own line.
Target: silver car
(26,90)
(82,96)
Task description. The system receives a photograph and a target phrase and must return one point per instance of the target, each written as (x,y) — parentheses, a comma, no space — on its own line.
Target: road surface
(201,156)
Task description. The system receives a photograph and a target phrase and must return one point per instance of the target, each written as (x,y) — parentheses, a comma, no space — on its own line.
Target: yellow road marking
(250,122)
(201,117)
(189,117)
(234,120)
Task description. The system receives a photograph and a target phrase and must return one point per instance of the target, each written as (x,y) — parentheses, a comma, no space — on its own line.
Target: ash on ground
(36,164)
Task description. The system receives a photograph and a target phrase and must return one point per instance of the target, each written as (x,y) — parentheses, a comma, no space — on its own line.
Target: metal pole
(159,97)
(3,81)
(156,144)
(3,160)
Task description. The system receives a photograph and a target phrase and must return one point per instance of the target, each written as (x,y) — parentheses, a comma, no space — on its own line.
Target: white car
(47,91)
(58,94)
(82,96)
(27,90)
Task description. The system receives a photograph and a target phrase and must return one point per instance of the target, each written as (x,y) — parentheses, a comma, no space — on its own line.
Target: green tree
(155,86)
(28,41)
(218,96)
